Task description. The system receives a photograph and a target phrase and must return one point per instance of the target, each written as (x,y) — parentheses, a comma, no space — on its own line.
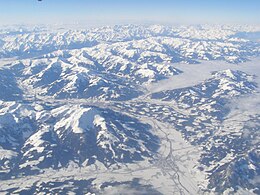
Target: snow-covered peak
(232,75)
(75,118)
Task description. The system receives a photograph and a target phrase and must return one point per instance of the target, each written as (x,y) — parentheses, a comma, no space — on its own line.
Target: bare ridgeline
(136,109)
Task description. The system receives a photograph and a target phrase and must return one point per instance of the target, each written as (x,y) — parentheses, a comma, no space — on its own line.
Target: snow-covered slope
(36,138)
(58,78)
(77,116)
(223,85)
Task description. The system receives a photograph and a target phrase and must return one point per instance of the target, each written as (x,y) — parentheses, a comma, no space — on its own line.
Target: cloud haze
(134,11)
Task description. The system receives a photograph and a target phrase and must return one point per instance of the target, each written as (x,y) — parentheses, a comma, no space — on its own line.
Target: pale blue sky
(132,11)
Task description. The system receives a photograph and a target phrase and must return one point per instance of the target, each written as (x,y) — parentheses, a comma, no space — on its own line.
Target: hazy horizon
(117,12)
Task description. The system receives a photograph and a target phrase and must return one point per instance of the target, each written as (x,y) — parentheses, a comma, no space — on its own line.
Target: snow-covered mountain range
(141,43)
(77,111)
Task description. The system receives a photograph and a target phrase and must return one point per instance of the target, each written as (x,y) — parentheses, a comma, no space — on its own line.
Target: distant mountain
(186,44)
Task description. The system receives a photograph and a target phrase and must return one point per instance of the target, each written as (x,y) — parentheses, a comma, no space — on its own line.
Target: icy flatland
(142,109)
